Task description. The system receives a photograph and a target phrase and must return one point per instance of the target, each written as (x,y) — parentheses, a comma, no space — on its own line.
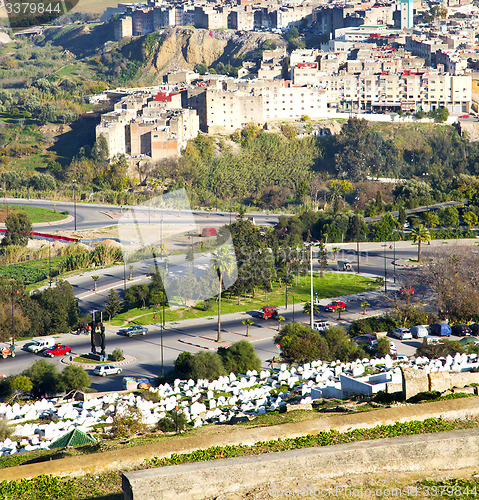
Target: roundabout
(90,364)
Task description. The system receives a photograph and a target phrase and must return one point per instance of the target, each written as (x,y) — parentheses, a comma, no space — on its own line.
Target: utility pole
(311,319)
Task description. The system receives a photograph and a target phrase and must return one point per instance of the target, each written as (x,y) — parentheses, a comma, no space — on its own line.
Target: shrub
(239,357)
(208,304)
(300,343)
(128,423)
(116,355)
(5,429)
(75,378)
(174,421)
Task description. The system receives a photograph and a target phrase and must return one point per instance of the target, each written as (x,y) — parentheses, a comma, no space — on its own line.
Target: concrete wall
(306,467)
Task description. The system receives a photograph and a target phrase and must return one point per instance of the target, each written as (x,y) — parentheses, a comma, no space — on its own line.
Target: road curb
(127,361)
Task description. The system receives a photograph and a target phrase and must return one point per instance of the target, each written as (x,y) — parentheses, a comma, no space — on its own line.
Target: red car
(334,305)
(268,312)
(57,350)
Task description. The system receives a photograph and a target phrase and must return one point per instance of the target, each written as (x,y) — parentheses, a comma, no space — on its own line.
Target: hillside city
(238,247)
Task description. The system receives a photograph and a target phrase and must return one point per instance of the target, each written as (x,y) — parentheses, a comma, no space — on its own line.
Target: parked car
(57,350)
(133,330)
(420,331)
(40,345)
(332,306)
(474,329)
(268,312)
(466,341)
(208,231)
(104,370)
(320,326)
(441,329)
(401,333)
(461,330)
(367,340)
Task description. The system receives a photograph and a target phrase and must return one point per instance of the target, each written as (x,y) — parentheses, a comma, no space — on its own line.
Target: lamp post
(161,342)
(49,263)
(293,308)
(394,260)
(385,271)
(311,318)
(357,232)
(124,273)
(74,203)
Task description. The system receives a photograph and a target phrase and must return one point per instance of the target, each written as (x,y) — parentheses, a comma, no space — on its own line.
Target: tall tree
(420,234)
(112,304)
(224,263)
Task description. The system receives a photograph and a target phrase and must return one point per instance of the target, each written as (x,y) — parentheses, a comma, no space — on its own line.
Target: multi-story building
(153,125)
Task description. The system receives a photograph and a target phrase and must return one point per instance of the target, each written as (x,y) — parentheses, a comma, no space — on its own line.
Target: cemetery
(231,399)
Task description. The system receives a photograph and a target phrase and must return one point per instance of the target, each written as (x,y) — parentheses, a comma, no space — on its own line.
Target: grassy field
(331,285)
(35,214)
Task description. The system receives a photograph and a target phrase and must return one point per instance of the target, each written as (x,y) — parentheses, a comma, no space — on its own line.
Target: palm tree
(224,263)
(280,320)
(335,252)
(420,234)
(364,305)
(339,310)
(248,323)
(95,279)
(131,272)
(307,308)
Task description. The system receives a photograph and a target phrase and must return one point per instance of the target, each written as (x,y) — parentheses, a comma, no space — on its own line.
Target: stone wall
(306,467)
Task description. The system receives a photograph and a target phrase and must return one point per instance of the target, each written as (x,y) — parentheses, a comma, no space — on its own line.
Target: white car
(320,326)
(402,333)
(104,370)
(420,331)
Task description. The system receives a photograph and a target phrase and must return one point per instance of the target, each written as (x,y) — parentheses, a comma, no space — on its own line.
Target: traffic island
(85,362)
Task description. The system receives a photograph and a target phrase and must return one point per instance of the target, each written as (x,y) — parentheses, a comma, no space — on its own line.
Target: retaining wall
(306,467)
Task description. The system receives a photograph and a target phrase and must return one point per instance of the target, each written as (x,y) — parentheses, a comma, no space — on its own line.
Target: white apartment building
(261,102)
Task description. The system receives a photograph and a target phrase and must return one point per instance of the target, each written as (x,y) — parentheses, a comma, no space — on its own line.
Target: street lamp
(357,231)
(49,263)
(394,260)
(385,271)
(74,203)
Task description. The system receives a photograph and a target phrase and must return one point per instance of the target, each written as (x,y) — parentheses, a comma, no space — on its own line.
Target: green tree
(224,264)
(335,251)
(95,280)
(431,219)
(470,218)
(21,385)
(18,229)
(322,258)
(204,365)
(449,217)
(112,304)
(248,323)
(339,345)
(239,357)
(365,304)
(75,378)
(420,234)
(280,319)
(442,114)
(301,344)
(383,347)
(136,295)
(46,379)
(402,216)
(307,308)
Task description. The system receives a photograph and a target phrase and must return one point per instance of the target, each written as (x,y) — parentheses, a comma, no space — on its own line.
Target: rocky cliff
(181,48)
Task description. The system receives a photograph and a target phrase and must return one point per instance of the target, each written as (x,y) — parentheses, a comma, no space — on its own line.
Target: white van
(420,331)
(41,344)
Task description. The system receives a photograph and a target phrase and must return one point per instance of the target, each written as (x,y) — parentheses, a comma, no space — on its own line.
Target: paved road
(95,215)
